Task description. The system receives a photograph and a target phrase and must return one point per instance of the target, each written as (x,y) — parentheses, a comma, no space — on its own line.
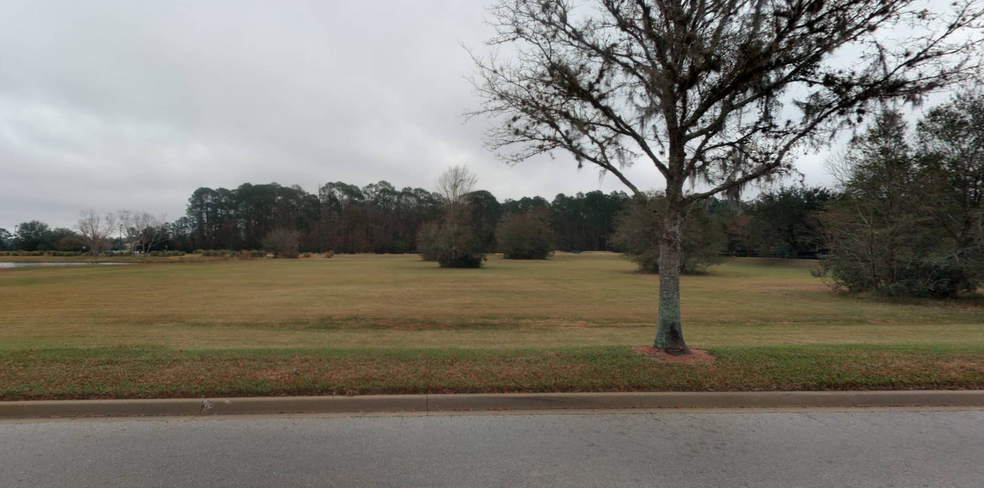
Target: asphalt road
(672,449)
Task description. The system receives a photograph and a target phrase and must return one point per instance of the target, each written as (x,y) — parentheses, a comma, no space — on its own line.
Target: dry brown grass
(591,299)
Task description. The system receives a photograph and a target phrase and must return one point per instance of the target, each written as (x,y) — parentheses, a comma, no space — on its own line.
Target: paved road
(830,449)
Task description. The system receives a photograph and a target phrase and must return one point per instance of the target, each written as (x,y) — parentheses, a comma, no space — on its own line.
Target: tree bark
(669,331)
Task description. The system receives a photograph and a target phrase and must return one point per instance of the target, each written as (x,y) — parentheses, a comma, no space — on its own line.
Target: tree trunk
(669,333)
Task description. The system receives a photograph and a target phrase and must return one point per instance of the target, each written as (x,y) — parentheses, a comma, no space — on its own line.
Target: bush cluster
(927,275)
(283,243)
(41,253)
(214,253)
(910,219)
(427,241)
(222,253)
(167,254)
(250,254)
(451,244)
(525,235)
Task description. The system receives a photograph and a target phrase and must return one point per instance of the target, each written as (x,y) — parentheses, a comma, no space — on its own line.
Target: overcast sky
(135,104)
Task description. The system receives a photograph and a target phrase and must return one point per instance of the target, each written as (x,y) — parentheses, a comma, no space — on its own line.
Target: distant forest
(379,218)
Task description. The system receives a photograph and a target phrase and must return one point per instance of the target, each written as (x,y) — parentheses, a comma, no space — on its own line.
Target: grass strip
(164,373)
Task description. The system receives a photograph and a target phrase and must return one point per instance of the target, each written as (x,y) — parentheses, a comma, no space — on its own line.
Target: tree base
(675,351)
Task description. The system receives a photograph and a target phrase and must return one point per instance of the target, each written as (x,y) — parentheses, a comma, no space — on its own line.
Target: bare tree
(452,243)
(141,230)
(128,232)
(282,242)
(454,183)
(95,230)
(714,94)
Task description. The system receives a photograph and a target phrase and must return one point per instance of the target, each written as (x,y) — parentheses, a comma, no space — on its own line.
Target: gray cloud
(134,104)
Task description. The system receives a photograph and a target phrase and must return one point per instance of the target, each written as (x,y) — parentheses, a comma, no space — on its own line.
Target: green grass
(150,373)
(394,324)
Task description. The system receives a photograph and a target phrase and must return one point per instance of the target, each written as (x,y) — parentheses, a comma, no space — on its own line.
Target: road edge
(488,402)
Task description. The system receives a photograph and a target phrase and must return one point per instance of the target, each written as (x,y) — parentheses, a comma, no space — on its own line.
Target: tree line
(378,218)
(344,218)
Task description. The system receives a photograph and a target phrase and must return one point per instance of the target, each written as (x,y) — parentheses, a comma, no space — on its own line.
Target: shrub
(451,244)
(306,255)
(21,253)
(213,253)
(427,241)
(166,254)
(283,243)
(42,253)
(525,235)
(912,259)
(457,247)
(330,254)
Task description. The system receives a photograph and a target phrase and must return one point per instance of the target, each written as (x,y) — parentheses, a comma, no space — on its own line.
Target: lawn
(389,324)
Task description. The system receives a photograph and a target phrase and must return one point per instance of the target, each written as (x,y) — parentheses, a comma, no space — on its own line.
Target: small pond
(32,265)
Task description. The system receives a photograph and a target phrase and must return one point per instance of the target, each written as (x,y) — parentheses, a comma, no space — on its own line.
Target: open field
(366,323)
(400,301)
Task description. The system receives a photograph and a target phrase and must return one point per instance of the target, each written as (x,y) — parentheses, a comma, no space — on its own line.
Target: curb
(492,401)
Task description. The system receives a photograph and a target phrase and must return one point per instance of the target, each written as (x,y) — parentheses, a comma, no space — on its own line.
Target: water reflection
(32,265)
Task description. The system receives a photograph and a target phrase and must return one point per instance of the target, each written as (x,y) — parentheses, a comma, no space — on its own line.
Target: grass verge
(163,373)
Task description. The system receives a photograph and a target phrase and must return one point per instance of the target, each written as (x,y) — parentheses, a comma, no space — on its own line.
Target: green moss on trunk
(669,332)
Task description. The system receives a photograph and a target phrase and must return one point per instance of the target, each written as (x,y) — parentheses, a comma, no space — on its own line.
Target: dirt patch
(790,287)
(695,356)
(960,364)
